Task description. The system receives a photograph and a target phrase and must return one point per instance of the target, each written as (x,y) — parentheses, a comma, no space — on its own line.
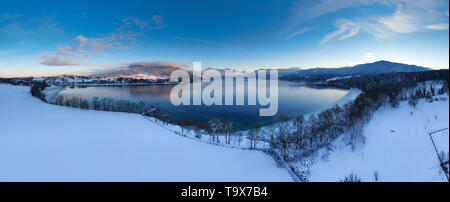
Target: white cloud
(132,26)
(81,39)
(399,22)
(413,15)
(376,29)
(123,38)
(346,29)
(158,64)
(298,32)
(409,16)
(143,65)
(305,10)
(439,26)
(58,61)
(204,41)
(29,28)
(369,57)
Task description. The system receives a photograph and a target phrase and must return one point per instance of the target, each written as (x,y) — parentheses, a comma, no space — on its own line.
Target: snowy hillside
(42,142)
(397,146)
(361,69)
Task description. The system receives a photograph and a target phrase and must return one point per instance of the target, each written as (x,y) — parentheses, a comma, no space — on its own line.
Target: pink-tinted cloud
(123,38)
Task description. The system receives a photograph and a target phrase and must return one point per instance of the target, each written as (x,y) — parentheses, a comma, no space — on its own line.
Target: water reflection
(294,99)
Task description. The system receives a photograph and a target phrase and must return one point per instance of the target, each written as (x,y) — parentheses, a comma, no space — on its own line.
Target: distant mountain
(143,70)
(282,71)
(162,70)
(290,69)
(362,69)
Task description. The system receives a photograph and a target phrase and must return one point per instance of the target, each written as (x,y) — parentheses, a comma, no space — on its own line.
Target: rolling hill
(361,69)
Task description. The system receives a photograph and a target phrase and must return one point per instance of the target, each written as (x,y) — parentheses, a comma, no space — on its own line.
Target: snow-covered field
(397,147)
(43,142)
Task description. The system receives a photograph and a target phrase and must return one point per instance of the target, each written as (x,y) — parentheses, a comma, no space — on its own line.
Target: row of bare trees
(218,126)
(103,104)
(301,137)
(36,90)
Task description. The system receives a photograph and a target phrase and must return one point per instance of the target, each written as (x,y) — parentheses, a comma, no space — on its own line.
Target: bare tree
(228,129)
(215,127)
(197,133)
(299,130)
(141,107)
(283,138)
(165,117)
(272,129)
(239,138)
(95,103)
(59,100)
(351,178)
(254,136)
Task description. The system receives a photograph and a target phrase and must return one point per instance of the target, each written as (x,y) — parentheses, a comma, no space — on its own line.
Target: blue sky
(57,37)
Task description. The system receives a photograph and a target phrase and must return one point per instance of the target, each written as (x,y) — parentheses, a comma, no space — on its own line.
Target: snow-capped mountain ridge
(361,69)
(140,71)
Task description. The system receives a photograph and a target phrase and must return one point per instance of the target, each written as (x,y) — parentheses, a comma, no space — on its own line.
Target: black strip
(275,191)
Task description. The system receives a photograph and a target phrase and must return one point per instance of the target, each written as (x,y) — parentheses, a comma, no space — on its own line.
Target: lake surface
(294,99)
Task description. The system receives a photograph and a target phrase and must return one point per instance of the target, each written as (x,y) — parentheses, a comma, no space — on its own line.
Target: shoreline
(51,92)
(352,94)
(115,84)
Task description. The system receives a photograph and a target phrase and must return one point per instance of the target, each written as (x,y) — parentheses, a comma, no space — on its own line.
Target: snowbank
(397,147)
(352,94)
(42,142)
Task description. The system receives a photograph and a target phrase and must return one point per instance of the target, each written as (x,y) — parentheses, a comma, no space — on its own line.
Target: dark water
(293,99)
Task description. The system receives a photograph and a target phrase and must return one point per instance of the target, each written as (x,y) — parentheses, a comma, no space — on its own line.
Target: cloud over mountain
(143,70)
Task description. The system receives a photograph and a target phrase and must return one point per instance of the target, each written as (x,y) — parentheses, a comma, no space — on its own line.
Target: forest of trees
(104,104)
(302,137)
(36,90)
(14,81)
